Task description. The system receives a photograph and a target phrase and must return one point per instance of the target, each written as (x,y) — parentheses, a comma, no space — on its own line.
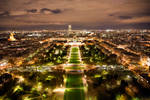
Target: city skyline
(85,14)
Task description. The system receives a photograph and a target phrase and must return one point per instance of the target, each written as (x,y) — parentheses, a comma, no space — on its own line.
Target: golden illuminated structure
(69,29)
(11,37)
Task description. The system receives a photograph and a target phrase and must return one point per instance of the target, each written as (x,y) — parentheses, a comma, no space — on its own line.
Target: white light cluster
(148,61)
(3,63)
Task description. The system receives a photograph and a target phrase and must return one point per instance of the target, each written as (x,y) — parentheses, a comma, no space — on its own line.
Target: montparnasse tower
(69,29)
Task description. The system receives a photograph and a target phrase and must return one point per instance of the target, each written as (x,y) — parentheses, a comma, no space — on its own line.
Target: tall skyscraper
(69,29)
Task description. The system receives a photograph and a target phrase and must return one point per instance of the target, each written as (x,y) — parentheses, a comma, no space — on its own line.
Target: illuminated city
(49,57)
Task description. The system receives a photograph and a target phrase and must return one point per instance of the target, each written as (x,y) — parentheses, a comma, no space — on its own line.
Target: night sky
(81,14)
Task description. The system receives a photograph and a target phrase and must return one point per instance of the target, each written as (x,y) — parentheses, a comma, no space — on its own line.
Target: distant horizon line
(34,29)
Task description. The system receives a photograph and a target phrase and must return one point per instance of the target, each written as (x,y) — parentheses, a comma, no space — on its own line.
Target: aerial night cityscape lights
(74,50)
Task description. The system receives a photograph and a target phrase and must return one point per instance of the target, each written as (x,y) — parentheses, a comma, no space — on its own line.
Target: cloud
(4,13)
(88,13)
(32,11)
(56,11)
(17,13)
(143,13)
(137,20)
(125,17)
(12,13)
(51,11)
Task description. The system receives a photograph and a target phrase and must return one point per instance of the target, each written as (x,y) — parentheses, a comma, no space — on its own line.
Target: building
(69,29)
(11,37)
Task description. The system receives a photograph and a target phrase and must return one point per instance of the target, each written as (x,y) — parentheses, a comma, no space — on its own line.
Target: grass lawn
(74,82)
(74,59)
(75,88)
(74,94)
